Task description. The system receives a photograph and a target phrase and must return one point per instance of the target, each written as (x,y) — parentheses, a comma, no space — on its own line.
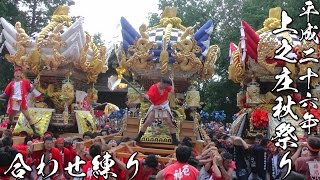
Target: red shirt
(55,155)
(195,152)
(182,171)
(302,166)
(65,157)
(121,174)
(83,156)
(73,153)
(87,168)
(155,97)
(142,174)
(21,148)
(25,88)
(2,170)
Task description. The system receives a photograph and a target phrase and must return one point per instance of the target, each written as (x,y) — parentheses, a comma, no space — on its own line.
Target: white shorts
(160,113)
(16,105)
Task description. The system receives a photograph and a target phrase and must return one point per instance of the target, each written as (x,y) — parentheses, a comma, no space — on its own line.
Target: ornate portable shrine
(61,58)
(254,66)
(167,49)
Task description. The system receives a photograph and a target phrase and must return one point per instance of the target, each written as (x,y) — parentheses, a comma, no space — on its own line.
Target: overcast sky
(104,15)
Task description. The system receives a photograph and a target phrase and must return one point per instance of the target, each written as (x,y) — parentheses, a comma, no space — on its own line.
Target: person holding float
(158,95)
(17,91)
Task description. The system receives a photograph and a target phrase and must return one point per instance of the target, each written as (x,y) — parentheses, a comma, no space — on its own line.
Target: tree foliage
(292,7)
(97,39)
(39,12)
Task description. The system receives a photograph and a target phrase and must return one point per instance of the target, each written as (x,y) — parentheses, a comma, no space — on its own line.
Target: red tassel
(259,118)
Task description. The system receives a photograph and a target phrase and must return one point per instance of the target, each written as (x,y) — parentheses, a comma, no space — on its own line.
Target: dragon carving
(266,49)
(52,62)
(237,68)
(59,98)
(94,66)
(208,66)
(141,50)
(185,53)
(60,15)
(22,40)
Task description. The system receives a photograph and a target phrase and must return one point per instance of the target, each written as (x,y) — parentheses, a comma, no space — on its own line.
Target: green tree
(97,39)
(38,12)
(190,11)
(292,7)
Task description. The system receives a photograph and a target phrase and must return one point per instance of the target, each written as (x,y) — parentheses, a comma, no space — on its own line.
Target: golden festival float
(60,60)
(167,49)
(253,65)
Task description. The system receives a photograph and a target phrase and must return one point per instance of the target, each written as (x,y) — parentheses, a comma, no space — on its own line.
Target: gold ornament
(60,15)
(185,52)
(193,97)
(92,95)
(52,62)
(273,22)
(169,17)
(164,55)
(22,39)
(110,108)
(93,67)
(33,61)
(266,49)
(209,63)
(237,68)
(59,98)
(253,93)
(141,50)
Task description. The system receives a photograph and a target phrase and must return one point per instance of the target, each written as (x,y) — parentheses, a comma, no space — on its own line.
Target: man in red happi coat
(158,94)
(17,91)
(69,146)
(50,153)
(64,152)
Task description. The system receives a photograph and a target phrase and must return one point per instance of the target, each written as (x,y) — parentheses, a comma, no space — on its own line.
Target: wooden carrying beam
(127,155)
(153,151)
(18,140)
(88,143)
(39,146)
(160,146)
(121,147)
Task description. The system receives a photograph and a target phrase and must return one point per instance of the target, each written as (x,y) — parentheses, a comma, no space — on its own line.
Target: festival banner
(85,121)
(41,118)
